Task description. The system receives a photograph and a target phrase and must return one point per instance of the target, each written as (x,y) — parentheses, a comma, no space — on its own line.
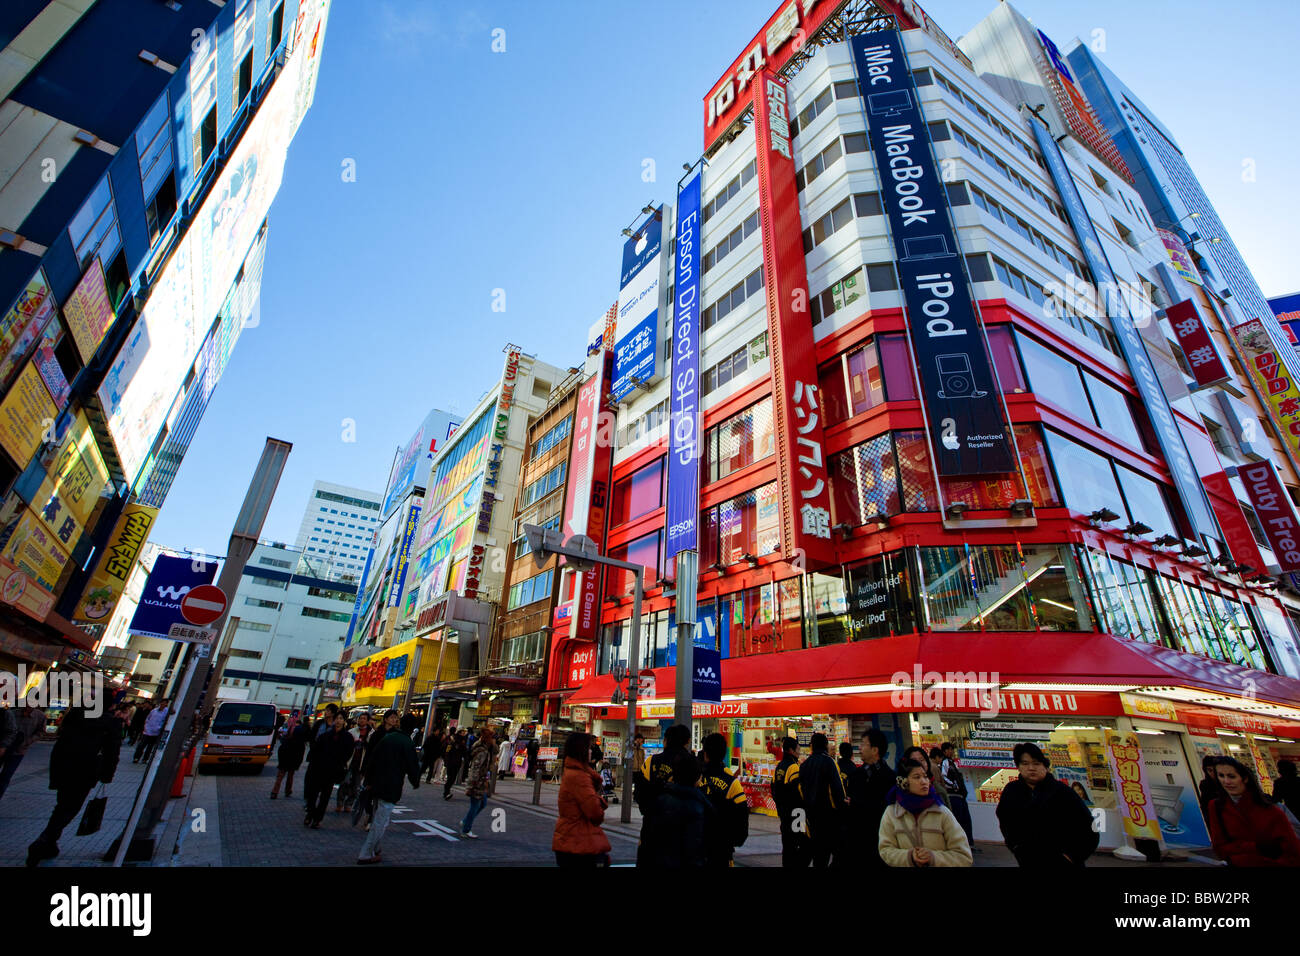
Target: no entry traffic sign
(203,604)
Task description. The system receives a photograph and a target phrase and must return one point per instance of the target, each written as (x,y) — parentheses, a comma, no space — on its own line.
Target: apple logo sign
(641,242)
(951,443)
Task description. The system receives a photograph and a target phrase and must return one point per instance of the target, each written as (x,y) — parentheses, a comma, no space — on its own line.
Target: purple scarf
(911,802)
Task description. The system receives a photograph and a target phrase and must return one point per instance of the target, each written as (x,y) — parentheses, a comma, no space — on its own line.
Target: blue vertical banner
(636,345)
(682,514)
(963,404)
(361,589)
(404,556)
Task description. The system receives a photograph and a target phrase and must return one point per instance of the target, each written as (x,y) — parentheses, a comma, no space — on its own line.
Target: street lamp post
(584,555)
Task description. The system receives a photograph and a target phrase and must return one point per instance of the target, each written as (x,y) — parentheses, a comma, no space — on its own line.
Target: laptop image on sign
(925,247)
(892,103)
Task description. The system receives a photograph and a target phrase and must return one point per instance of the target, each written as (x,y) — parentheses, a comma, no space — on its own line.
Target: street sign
(190,634)
(645,684)
(203,604)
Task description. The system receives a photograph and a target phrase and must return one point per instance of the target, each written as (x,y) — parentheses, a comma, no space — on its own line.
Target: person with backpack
(578,840)
(730,820)
(1043,821)
(1246,827)
(674,833)
(821,793)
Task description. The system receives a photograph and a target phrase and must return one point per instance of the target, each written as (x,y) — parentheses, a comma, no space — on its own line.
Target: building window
(323,614)
(746,524)
(258,602)
(297,664)
(740,440)
(553,436)
(731,242)
(1086,480)
(896,361)
(253,626)
(243,652)
(644,551)
(638,494)
(536,588)
(94,230)
(731,300)
(544,485)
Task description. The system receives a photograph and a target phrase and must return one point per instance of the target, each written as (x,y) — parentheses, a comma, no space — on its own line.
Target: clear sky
(477,171)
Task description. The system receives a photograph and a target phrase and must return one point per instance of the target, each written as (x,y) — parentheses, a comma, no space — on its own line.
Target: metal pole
(633,667)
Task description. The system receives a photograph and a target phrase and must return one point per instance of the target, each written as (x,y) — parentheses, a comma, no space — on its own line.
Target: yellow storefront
(396,672)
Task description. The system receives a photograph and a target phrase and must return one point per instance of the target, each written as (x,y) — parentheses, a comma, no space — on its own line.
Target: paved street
(233,822)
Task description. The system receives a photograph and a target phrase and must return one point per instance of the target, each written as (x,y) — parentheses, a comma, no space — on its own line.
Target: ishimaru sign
(962,401)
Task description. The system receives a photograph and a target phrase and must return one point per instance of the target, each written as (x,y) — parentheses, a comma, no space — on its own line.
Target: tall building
(145,143)
(947,465)
(435,581)
(337,529)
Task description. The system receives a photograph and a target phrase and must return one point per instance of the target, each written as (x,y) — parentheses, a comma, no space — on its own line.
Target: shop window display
(882,597)
(1003,588)
(864,481)
(827,604)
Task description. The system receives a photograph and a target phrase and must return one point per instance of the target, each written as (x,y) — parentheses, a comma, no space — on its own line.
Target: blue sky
(478,171)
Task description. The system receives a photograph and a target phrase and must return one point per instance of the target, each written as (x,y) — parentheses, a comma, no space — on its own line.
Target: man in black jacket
(85,753)
(868,790)
(657,772)
(954,782)
(785,794)
(452,758)
(674,833)
(729,827)
(821,790)
(392,757)
(1043,821)
(327,764)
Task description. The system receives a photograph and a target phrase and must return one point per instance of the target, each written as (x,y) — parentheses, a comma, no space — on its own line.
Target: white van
(242,732)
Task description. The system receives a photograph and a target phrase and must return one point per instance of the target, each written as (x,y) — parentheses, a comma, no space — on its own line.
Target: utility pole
(139,838)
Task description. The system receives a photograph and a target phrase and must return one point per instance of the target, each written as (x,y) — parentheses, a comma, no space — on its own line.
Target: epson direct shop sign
(636,341)
(968,433)
(683,505)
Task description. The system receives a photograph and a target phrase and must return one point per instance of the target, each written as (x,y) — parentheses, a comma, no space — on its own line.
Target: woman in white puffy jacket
(917,829)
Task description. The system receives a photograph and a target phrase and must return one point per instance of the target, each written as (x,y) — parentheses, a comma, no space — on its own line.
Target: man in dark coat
(654,776)
(531,752)
(1043,821)
(392,759)
(730,823)
(452,758)
(673,835)
(785,794)
(868,791)
(137,721)
(84,754)
(822,794)
(430,753)
(293,745)
(327,765)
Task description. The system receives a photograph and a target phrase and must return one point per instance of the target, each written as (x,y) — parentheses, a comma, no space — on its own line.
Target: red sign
(585,504)
(474,573)
(784,35)
(804,482)
(1194,339)
(203,605)
(1273,506)
(582,664)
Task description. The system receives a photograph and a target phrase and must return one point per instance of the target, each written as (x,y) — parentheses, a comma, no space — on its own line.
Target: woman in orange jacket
(1246,828)
(578,839)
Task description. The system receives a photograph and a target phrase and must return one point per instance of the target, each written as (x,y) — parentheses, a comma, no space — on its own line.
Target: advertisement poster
(1173,793)
(23,323)
(1135,805)
(88,312)
(31,547)
(1178,256)
(160,601)
(636,346)
(19,590)
(1275,380)
(24,415)
(105,587)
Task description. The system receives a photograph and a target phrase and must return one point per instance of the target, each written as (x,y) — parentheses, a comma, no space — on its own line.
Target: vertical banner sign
(1178,256)
(586,499)
(1276,514)
(361,589)
(1186,480)
(1273,377)
(803,479)
(963,404)
(636,345)
(404,555)
(683,509)
(1194,339)
(121,552)
(1132,793)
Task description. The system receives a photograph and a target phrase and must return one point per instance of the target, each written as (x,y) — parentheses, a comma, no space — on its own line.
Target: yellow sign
(1131,791)
(120,555)
(33,549)
(88,311)
(1152,707)
(1274,379)
(24,415)
(22,592)
(72,484)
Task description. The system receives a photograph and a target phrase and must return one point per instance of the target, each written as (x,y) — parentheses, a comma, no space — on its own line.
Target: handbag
(93,818)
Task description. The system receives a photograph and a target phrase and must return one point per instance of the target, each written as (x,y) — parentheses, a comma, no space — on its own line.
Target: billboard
(1186,480)
(961,396)
(149,369)
(1275,380)
(636,339)
(1287,310)
(22,324)
(25,414)
(600,337)
(1276,515)
(1178,256)
(1194,339)
(416,458)
(585,500)
(88,311)
(121,551)
(803,477)
(409,527)
(682,515)
(1074,108)
(160,602)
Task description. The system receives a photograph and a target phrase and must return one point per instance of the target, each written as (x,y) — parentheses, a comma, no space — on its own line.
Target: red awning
(1013,658)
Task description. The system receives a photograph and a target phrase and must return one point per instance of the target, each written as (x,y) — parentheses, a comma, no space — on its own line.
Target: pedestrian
(638,755)
(28,725)
(409,723)
(153,728)
(931,767)
(85,753)
(673,836)
(467,739)
(1209,786)
(351,784)
(578,840)
(1286,788)
(503,761)
(729,823)
(785,794)
(656,773)
(917,829)
(1043,821)
(821,793)
(1246,828)
(452,758)
(869,791)
(955,783)
(136,727)
(327,765)
(845,761)
(481,760)
(293,744)
(429,755)
(391,759)
(326,723)
(531,752)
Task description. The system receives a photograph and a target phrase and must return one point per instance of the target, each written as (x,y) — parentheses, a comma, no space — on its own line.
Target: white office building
(336,530)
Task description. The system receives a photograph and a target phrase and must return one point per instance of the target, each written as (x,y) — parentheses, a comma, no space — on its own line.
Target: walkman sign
(963,406)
